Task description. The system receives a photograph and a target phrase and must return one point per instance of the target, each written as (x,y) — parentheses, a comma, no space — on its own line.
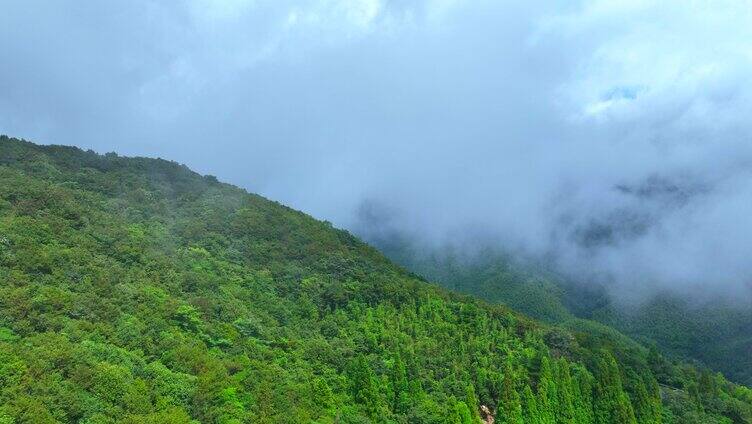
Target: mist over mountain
(610,139)
(376,211)
(135,290)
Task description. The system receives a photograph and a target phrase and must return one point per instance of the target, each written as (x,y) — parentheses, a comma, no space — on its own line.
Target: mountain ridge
(135,290)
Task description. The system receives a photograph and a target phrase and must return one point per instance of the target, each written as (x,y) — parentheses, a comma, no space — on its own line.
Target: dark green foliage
(136,291)
(715,332)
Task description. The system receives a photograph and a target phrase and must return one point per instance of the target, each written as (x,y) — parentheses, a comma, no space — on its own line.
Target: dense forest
(713,331)
(134,290)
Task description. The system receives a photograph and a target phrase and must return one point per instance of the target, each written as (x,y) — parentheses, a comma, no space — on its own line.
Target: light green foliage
(510,408)
(611,401)
(136,291)
(530,412)
(715,332)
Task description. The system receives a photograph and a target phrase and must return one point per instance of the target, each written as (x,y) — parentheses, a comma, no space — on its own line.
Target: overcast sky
(612,137)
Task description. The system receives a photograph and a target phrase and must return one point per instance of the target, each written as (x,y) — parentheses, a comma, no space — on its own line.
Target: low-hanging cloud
(609,137)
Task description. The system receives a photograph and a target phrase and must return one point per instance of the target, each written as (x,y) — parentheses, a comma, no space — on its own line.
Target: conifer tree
(510,409)
(400,386)
(647,405)
(583,389)
(547,397)
(565,413)
(530,414)
(453,417)
(365,387)
(463,413)
(471,400)
(612,404)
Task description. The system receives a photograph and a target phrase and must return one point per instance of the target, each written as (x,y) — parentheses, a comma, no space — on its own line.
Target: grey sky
(611,136)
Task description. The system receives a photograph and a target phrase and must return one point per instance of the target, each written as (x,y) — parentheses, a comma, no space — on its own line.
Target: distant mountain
(133,290)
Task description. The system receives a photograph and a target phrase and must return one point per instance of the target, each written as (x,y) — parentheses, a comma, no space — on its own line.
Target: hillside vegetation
(711,331)
(134,290)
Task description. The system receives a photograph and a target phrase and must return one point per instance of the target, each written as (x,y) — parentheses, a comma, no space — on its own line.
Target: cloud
(609,137)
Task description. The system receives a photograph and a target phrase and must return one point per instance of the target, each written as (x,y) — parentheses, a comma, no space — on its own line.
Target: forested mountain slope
(712,331)
(134,290)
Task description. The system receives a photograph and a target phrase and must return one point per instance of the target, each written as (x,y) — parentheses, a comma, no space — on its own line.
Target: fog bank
(610,139)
